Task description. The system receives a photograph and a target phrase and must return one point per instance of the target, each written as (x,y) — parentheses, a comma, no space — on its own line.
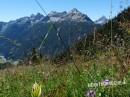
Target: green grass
(61,81)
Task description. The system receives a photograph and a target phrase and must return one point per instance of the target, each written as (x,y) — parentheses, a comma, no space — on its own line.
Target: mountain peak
(103,17)
(74,10)
(39,16)
(102,20)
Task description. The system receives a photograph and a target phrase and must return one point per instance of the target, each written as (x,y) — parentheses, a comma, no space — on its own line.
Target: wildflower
(106,82)
(36,90)
(90,93)
(124,81)
(100,94)
(43,73)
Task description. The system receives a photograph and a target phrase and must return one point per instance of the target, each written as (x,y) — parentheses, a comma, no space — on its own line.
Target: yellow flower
(36,90)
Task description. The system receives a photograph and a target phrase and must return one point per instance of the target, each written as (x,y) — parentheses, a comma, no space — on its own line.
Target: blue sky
(13,9)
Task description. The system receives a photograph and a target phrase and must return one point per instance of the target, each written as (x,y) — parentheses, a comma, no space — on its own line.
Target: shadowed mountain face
(23,34)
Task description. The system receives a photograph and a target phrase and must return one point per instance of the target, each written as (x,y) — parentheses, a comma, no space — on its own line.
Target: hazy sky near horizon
(13,9)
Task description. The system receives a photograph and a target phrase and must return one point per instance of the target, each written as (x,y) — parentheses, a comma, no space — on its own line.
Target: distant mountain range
(18,37)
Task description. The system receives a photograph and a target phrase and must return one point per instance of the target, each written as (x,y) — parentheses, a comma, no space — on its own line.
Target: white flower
(36,90)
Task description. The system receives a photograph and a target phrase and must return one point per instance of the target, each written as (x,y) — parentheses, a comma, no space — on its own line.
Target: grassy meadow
(65,80)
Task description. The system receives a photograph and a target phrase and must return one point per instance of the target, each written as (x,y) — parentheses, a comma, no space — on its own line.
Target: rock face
(18,37)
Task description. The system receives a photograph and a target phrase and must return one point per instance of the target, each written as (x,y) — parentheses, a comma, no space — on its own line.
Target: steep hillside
(101,39)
